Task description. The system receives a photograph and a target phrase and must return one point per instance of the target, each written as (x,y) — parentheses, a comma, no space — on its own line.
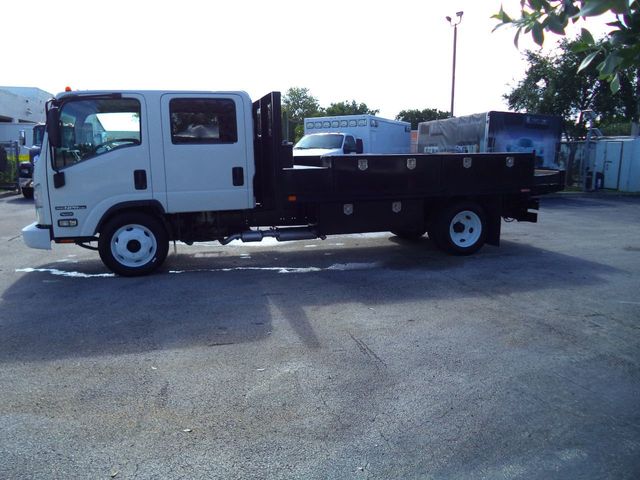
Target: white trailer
(337,135)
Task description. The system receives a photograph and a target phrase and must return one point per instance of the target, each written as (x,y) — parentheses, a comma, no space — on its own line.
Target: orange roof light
(67,88)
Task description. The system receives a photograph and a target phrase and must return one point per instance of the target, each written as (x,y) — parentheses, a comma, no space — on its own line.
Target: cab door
(205,152)
(103,159)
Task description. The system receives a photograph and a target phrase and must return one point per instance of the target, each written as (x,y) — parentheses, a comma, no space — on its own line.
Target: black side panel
(308,184)
(387,175)
(487,173)
(268,148)
(370,216)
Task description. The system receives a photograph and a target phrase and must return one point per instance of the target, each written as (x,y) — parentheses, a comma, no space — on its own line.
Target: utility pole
(454,23)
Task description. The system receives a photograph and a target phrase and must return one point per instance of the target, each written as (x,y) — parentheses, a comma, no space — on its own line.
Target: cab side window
(203,121)
(95,126)
(349,144)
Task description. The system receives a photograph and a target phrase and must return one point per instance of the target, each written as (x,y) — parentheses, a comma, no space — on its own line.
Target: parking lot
(361,356)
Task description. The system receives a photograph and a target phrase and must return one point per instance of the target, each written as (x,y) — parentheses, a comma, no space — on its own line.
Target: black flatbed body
(400,176)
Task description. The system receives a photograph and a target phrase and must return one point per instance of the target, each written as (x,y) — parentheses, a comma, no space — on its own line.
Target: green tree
(551,86)
(617,53)
(298,103)
(416,116)
(349,108)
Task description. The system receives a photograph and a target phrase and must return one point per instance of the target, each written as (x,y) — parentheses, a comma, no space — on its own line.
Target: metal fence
(574,158)
(9,160)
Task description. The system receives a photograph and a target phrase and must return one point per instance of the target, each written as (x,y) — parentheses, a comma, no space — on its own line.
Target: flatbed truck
(127,172)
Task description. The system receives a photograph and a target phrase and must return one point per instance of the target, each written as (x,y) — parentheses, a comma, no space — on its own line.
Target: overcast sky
(392,55)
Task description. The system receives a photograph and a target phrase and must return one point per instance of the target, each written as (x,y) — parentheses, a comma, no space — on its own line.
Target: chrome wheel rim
(133,245)
(465,229)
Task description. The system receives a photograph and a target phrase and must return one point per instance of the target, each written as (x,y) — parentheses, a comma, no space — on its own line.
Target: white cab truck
(347,134)
(126,172)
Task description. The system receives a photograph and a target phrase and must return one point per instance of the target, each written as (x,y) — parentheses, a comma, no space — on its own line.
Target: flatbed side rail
(548,181)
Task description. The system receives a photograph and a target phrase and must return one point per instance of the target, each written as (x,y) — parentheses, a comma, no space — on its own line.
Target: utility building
(22,104)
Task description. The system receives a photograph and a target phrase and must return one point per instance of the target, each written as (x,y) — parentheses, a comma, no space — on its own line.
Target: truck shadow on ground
(218,297)
(18,200)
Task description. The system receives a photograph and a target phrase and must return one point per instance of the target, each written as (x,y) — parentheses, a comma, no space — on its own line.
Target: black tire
(460,228)
(409,234)
(27,192)
(133,244)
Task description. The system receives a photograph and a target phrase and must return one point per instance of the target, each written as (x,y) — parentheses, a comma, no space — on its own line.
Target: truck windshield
(328,141)
(94,127)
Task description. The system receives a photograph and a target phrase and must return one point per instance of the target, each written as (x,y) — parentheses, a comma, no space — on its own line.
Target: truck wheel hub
(133,245)
(465,228)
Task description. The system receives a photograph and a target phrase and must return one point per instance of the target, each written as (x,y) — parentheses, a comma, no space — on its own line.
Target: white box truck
(345,134)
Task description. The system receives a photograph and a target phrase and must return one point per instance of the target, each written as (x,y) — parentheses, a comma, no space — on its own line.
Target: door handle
(237,174)
(140,179)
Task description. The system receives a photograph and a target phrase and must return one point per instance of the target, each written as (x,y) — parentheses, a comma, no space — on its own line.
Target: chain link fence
(9,160)
(574,158)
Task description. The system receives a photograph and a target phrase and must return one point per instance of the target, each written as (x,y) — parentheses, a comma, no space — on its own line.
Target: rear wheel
(460,228)
(133,244)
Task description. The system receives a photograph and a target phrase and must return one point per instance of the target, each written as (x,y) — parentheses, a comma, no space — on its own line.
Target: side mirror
(53,126)
(359,145)
(23,138)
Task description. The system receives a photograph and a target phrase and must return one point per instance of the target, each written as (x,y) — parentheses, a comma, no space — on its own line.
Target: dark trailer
(493,132)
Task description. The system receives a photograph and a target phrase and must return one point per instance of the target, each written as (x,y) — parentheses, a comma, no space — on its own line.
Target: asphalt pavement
(361,356)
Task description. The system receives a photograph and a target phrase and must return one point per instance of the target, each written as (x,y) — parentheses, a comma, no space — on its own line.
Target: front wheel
(133,244)
(460,228)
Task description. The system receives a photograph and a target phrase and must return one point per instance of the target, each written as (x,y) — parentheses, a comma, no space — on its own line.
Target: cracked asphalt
(360,356)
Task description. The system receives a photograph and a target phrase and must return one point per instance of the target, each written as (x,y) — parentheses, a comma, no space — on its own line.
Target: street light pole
(454,24)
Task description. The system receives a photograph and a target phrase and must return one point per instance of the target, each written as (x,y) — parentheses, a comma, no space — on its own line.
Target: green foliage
(416,116)
(298,103)
(551,86)
(349,108)
(621,49)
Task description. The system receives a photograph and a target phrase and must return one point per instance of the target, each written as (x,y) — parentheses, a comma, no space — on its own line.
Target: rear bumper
(548,181)
(37,236)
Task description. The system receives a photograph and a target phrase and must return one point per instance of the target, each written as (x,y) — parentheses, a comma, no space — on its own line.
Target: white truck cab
(170,151)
